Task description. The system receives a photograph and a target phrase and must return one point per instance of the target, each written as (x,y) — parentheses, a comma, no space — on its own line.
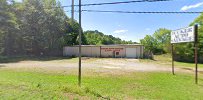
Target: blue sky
(135,26)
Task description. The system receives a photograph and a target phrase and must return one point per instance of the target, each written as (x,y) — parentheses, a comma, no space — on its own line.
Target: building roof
(108,45)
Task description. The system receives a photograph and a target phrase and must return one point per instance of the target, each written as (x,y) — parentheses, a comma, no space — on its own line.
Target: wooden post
(172,53)
(100,51)
(72,12)
(80,32)
(196,54)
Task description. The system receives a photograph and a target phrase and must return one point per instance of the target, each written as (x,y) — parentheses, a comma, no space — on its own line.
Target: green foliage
(185,51)
(158,43)
(8,28)
(139,85)
(149,43)
(163,38)
(72,37)
(35,27)
(41,27)
(98,38)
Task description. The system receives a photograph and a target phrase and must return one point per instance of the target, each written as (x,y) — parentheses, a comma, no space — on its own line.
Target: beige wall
(86,51)
(95,51)
(106,51)
(109,51)
(70,51)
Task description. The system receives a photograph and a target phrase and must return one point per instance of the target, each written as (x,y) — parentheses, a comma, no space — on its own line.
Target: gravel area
(98,64)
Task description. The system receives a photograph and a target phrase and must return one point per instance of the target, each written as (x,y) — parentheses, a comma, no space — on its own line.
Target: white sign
(183,35)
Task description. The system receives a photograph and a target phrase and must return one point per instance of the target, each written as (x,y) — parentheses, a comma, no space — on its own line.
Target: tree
(36,27)
(150,44)
(72,34)
(162,36)
(158,43)
(28,28)
(98,38)
(8,29)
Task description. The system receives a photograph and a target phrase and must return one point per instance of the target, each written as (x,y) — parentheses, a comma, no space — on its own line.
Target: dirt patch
(72,96)
(104,65)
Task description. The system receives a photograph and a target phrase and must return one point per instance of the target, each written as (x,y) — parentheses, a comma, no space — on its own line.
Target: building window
(117,53)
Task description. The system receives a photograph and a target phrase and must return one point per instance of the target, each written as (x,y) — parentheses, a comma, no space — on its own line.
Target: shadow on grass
(186,68)
(190,69)
(4,59)
(201,72)
(2,66)
(87,90)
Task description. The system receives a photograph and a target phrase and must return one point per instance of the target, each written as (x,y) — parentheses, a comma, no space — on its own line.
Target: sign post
(184,35)
(172,59)
(196,54)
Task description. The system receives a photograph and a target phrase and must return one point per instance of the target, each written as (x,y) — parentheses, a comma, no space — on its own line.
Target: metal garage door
(131,53)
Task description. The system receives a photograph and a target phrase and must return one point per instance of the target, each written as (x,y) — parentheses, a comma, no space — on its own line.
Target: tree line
(99,38)
(41,27)
(27,28)
(159,43)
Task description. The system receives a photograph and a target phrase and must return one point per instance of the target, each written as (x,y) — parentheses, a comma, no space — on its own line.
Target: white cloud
(147,29)
(120,31)
(121,34)
(191,6)
(119,25)
(18,0)
(122,37)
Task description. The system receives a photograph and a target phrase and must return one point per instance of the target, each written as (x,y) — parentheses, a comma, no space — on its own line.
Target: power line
(140,12)
(121,2)
(144,12)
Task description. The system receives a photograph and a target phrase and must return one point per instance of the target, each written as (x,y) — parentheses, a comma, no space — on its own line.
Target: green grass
(5,59)
(191,65)
(139,85)
(26,84)
(166,59)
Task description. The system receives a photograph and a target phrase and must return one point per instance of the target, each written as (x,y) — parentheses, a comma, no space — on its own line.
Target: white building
(111,51)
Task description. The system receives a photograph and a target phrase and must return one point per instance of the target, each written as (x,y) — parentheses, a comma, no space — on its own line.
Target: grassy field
(38,83)
(167,60)
(4,59)
(139,85)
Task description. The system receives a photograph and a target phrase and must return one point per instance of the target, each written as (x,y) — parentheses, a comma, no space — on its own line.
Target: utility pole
(72,12)
(80,32)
